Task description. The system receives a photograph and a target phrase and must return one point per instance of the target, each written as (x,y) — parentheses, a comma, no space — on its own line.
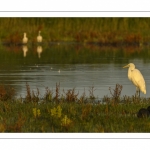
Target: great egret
(143,112)
(136,77)
(39,38)
(25,39)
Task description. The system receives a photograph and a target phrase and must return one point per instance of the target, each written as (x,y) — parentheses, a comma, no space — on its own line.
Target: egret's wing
(137,78)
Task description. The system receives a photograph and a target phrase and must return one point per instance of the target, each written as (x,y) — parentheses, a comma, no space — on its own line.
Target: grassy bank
(106,31)
(67,113)
(71,117)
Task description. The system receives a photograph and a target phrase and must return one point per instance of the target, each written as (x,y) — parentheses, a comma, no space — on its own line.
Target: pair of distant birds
(25,39)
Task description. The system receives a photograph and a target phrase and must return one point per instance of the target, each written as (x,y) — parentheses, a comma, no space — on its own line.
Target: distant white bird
(25,39)
(39,51)
(39,37)
(25,49)
(136,77)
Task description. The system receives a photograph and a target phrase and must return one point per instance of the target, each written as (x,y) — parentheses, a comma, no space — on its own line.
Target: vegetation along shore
(69,113)
(105,31)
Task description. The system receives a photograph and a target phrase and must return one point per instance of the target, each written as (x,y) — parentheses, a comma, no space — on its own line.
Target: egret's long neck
(129,72)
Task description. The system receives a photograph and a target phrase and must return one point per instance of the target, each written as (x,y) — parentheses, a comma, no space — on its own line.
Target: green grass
(101,30)
(71,117)
(69,113)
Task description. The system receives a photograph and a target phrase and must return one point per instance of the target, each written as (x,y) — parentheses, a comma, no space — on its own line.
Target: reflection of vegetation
(103,30)
(70,54)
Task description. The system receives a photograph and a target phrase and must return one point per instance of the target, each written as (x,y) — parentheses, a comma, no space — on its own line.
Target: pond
(73,65)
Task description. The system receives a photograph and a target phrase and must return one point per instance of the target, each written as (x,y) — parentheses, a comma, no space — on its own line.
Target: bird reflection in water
(39,50)
(25,49)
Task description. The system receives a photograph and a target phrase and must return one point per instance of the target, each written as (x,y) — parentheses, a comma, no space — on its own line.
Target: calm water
(37,66)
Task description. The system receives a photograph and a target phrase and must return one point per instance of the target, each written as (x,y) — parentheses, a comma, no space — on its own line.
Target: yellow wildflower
(53,112)
(65,121)
(36,112)
(59,111)
(56,111)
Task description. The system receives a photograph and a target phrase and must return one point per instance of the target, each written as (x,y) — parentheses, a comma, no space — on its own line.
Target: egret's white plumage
(25,39)
(39,37)
(136,77)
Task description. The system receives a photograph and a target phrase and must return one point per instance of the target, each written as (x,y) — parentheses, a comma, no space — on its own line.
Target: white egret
(39,51)
(25,39)
(136,77)
(39,37)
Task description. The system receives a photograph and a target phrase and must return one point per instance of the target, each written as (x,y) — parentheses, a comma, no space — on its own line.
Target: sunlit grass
(74,117)
(102,30)
(60,115)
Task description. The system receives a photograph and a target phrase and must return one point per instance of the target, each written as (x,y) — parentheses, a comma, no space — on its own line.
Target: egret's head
(131,65)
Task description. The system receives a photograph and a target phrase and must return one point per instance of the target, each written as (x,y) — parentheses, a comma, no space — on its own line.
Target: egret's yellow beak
(126,66)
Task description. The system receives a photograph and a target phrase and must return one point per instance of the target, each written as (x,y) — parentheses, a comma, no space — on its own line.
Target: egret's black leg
(139,93)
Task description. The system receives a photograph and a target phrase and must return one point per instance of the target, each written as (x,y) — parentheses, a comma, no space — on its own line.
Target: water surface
(73,66)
